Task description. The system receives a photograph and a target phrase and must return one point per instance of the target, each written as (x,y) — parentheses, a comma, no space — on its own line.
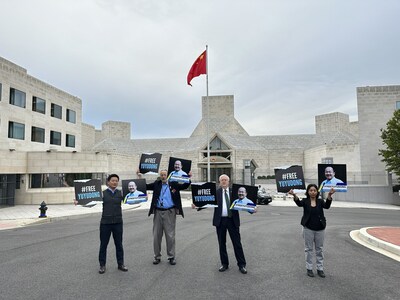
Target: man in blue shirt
(178,174)
(330,180)
(243,203)
(133,196)
(165,205)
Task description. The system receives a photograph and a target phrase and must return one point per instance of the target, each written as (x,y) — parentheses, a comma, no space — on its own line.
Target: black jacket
(218,210)
(174,187)
(112,212)
(306,204)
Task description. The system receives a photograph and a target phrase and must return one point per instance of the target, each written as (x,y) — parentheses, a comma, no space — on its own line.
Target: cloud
(284,61)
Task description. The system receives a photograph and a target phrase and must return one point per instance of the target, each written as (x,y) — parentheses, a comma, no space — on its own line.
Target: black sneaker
(123,268)
(156,261)
(102,269)
(172,261)
(310,273)
(321,273)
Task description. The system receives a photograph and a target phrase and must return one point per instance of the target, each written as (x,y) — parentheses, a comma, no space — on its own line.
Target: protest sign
(88,191)
(149,163)
(204,194)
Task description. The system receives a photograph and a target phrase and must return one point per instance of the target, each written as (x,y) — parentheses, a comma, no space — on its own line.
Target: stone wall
(333,122)
(376,105)
(13,76)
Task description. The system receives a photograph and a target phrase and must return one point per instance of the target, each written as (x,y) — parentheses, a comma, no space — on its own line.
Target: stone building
(44,145)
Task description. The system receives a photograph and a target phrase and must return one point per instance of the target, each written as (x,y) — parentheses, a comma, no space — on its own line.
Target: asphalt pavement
(382,239)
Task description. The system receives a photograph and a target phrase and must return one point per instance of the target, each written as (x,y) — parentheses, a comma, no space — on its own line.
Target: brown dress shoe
(122,268)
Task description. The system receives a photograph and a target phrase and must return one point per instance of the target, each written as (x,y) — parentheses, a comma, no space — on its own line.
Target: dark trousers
(105,233)
(228,225)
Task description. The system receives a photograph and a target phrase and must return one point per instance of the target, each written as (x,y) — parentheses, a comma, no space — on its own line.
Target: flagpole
(208,121)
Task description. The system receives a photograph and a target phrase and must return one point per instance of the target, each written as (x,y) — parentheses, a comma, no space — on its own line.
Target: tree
(391,138)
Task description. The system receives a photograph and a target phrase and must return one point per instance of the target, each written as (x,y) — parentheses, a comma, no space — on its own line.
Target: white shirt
(224,208)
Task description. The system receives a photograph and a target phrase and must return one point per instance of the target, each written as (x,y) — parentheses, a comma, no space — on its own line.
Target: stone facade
(111,149)
(376,105)
(15,77)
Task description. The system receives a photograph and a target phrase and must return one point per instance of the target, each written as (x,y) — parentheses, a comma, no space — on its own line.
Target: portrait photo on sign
(332,175)
(204,194)
(245,197)
(134,191)
(178,169)
(149,163)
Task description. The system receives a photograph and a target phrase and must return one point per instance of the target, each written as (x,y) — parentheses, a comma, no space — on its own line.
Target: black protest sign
(138,186)
(332,175)
(245,197)
(149,163)
(251,191)
(178,169)
(204,193)
(289,178)
(87,190)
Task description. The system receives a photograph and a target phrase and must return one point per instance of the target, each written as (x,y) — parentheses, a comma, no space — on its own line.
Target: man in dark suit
(165,205)
(225,220)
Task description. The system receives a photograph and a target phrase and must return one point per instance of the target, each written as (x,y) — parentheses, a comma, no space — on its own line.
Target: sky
(284,61)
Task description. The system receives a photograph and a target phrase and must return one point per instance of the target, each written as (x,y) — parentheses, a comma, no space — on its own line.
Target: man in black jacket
(165,205)
(111,222)
(225,220)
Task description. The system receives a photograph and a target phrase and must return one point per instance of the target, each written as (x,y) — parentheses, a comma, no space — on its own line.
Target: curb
(8,224)
(362,237)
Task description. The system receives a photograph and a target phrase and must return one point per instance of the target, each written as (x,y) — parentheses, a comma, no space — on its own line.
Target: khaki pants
(164,222)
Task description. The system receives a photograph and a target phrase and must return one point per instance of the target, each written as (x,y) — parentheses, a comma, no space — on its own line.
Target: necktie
(228,204)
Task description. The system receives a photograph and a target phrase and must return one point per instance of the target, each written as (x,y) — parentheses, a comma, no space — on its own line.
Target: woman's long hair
(309,187)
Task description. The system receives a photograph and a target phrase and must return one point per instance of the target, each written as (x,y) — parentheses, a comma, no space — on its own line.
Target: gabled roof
(233,141)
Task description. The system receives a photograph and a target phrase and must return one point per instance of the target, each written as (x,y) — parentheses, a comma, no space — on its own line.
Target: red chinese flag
(199,67)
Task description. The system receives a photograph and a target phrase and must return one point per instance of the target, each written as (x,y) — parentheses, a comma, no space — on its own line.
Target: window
(327,160)
(16,130)
(71,116)
(397,102)
(51,180)
(17,97)
(55,138)
(37,134)
(70,140)
(56,111)
(38,105)
(217,144)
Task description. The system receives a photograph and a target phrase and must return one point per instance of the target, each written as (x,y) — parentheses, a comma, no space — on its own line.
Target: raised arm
(328,202)
(296,199)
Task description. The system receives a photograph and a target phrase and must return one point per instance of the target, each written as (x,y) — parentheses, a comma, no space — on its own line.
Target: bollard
(43,209)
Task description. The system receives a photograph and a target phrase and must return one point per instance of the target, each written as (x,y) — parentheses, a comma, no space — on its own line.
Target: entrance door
(215,173)
(7,189)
